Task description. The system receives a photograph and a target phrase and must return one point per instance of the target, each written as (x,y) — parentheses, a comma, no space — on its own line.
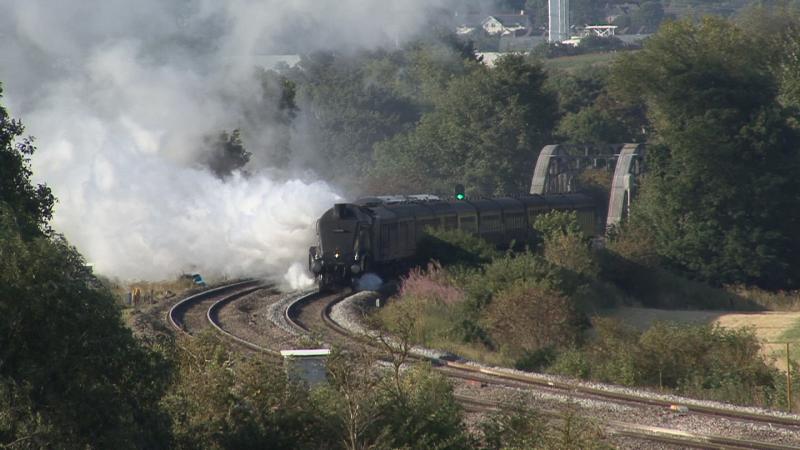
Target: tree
(649,15)
(219,399)
(226,154)
(32,205)
(777,28)
(347,111)
(721,196)
(484,132)
(71,374)
(412,409)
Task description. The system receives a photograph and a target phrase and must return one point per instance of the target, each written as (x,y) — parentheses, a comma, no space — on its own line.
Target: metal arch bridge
(559,165)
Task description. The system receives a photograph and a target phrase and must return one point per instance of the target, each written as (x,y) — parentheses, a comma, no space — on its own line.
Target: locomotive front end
(339,255)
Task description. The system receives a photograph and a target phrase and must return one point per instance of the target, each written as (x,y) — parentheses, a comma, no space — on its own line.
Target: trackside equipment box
(307,366)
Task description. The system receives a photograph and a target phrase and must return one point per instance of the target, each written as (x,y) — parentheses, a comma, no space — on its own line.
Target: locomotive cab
(343,245)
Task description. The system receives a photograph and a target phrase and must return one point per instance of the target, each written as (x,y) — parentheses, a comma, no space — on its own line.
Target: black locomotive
(355,237)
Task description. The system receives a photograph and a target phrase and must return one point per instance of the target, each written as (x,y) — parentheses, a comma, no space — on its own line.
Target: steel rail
(176,311)
(532,379)
(645,432)
(291,310)
(213,318)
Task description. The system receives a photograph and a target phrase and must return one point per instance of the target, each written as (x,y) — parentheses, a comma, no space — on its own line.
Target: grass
(792,334)
(771,301)
(580,62)
(157,290)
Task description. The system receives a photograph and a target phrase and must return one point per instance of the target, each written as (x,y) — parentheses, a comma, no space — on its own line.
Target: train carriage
(383,230)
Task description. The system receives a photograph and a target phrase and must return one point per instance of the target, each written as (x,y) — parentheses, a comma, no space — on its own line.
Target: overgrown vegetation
(73,377)
(702,361)
(532,307)
(718,108)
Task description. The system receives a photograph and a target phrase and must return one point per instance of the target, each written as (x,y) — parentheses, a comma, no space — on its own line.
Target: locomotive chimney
(339,210)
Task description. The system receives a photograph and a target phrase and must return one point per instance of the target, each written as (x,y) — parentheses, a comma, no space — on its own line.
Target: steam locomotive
(356,237)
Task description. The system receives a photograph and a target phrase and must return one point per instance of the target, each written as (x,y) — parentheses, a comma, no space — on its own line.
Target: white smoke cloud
(119,95)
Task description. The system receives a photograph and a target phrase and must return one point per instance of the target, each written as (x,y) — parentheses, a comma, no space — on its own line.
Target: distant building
(495,24)
(558,20)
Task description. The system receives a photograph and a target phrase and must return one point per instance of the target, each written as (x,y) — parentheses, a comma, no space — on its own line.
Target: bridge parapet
(630,165)
(558,166)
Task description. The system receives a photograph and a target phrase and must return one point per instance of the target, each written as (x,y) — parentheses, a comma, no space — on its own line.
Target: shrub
(527,318)
(527,267)
(658,288)
(536,360)
(565,245)
(571,252)
(572,363)
(516,427)
(612,354)
(431,284)
(700,360)
(457,247)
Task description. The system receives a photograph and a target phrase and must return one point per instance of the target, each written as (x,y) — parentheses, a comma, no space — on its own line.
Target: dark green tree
(649,15)
(71,374)
(721,196)
(32,204)
(226,153)
(347,111)
(485,132)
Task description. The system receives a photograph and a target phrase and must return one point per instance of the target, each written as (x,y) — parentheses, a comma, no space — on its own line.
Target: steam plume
(120,95)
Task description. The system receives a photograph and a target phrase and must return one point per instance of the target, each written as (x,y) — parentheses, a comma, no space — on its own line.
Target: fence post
(788,380)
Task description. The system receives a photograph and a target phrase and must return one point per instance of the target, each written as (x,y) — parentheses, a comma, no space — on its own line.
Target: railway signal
(459,192)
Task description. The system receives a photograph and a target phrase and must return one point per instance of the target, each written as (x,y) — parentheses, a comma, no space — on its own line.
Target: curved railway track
(310,314)
(321,315)
(659,434)
(190,314)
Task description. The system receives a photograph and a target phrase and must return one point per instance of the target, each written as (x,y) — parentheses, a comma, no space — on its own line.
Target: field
(773,328)
(580,62)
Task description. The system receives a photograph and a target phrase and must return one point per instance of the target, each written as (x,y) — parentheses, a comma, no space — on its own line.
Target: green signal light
(459,192)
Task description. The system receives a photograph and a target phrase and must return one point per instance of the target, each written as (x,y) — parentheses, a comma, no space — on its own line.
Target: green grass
(579,62)
(792,334)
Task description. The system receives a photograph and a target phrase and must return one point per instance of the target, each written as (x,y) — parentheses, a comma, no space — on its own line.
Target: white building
(558,20)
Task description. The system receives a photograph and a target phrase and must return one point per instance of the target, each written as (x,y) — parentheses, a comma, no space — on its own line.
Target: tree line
(74,376)
(716,104)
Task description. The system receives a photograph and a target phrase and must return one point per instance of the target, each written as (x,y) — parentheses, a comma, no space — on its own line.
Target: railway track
(475,373)
(637,431)
(191,315)
(310,314)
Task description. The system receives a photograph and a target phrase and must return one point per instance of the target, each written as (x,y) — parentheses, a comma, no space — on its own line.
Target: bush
(525,267)
(455,247)
(565,245)
(525,428)
(520,428)
(658,288)
(528,318)
(431,284)
(218,400)
(572,363)
(535,361)
(699,360)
